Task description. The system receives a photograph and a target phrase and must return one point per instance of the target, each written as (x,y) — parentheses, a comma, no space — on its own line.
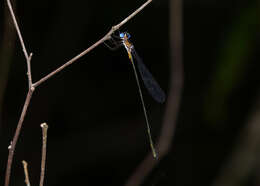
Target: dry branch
(44,127)
(32,85)
(26,174)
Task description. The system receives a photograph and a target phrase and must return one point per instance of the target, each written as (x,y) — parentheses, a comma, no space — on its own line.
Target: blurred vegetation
(233,65)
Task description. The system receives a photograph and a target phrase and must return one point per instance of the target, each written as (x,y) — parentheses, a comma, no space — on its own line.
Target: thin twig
(32,85)
(26,174)
(16,136)
(44,127)
(27,57)
(27,101)
(174,98)
(17,29)
(116,27)
(71,61)
(102,40)
(29,73)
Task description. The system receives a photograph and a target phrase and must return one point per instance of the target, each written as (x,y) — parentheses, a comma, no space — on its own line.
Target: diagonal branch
(27,57)
(116,27)
(17,29)
(15,139)
(102,40)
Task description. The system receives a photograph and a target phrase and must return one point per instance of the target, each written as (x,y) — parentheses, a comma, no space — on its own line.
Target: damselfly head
(124,34)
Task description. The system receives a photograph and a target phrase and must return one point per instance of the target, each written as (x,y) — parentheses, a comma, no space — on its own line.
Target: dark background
(97,133)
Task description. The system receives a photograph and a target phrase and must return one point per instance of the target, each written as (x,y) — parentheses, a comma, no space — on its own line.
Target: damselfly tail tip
(153,150)
(155,156)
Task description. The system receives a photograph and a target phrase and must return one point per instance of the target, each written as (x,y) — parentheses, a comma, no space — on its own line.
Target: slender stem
(26,174)
(29,73)
(102,40)
(70,61)
(16,136)
(17,29)
(44,127)
(116,27)
(27,101)
(27,57)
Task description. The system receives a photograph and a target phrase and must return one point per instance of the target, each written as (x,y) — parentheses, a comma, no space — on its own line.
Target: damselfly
(149,82)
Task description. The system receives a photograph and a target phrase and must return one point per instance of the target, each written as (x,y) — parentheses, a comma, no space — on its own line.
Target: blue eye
(121,35)
(128,35)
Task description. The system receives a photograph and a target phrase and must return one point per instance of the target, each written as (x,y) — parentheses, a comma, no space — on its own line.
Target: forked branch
(32,85)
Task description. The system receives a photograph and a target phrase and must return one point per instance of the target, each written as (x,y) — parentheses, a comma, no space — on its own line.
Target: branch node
(30,56)
(114,28)
(32,88)
(10,146)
